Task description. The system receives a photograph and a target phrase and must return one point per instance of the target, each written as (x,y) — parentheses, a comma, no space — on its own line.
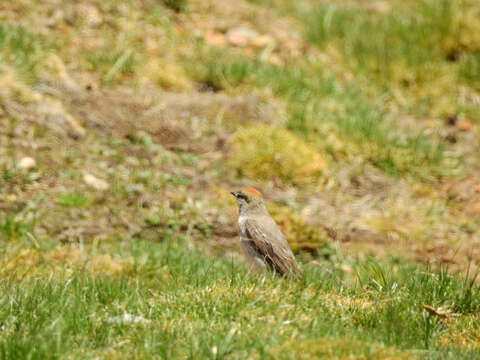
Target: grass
(340,121)
(201,307)
(113,65)
(73,200)
(20,49)
(470,70)
(377,42)
(400,54)
(409,51)
(12,228)
(316,100)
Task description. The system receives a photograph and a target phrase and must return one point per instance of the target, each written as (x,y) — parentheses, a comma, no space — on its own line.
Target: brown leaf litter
(442,312)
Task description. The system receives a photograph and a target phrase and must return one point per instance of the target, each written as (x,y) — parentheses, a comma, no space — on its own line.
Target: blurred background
(358,120)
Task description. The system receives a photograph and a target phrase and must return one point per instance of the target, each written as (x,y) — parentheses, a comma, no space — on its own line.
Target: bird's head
(249,200)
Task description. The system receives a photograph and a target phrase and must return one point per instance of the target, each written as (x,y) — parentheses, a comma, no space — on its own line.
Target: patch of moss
(464,34)
(167,75)
(73,200)
(267,152)
(300,235)
(20,49)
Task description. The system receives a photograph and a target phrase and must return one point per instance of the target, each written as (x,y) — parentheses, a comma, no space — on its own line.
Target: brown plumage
(262,241)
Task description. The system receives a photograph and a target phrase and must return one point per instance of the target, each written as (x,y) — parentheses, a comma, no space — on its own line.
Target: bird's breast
(242,230)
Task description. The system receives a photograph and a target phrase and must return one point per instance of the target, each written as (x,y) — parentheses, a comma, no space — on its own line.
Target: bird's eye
(243,197)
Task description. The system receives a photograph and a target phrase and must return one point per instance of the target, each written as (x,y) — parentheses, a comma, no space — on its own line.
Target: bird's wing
(272,245)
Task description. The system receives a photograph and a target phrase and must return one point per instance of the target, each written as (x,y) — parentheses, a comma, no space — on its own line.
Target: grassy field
(60,302)
(125,125)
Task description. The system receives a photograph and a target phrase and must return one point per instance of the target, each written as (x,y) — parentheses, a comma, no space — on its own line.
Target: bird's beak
(234,193)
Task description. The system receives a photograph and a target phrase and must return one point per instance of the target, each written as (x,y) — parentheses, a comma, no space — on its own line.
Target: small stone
(94,182)
(152,46)
(476,208)
(215,39)
(464,125)
(90,14)
(136,189)
(11,198)
(249,51)
(126,319)
(241,36)
(180,30)
(27,163)
(381,7)
(274,60)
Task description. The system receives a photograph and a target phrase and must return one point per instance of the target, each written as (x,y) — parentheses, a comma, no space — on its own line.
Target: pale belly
(241,227)
(255,260)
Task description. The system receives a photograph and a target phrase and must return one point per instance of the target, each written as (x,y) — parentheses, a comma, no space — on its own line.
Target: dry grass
(342,349)
(59,261)
(462,331)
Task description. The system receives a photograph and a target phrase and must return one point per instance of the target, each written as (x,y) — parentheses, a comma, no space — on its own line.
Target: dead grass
(462,331)
(345,348)
(29,261)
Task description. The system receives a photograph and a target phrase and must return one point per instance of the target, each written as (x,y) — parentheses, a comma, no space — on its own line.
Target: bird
(261,240)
